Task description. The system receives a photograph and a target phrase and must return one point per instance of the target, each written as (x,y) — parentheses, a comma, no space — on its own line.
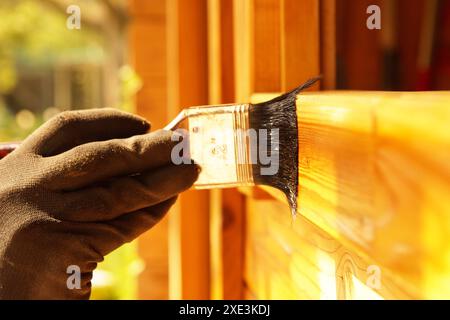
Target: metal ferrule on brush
(225,140)
(218,138)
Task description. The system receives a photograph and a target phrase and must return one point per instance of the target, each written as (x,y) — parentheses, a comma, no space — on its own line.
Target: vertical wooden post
(328,43)
(227,209)
(188,85)
(301,31)
(243,47)
(362,59)
(267,52)
(148,39)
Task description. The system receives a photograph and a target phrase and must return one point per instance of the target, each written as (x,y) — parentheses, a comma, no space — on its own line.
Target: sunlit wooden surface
(288,259)
(147,37)
(374,168)
(374,174)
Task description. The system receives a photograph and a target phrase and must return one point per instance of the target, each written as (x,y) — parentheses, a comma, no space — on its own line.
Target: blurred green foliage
(33,35)
(9,130)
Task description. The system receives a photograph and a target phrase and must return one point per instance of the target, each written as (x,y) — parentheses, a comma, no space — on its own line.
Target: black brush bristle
(280,113)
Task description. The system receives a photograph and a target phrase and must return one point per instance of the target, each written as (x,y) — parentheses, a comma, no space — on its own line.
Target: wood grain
(288,259)
(374,174)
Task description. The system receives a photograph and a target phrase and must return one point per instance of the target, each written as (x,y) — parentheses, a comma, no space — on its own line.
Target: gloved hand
(82,185)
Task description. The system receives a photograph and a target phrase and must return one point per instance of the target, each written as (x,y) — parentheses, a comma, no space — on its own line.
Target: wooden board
(374,174)
(226,206)
(328,44)
(288,259)
(148,39)
(359,48)
(301,39)
(188,82)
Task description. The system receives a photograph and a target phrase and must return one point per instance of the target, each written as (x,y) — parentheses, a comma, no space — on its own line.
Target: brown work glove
(82,185)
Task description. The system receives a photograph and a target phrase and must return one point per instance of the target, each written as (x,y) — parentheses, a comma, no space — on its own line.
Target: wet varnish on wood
(374,175)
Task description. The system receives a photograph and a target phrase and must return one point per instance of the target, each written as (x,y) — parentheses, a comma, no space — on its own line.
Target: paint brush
(239,144)
(245,144)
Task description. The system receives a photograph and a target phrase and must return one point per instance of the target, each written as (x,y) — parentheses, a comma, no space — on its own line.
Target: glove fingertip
(146,124)
(191,174)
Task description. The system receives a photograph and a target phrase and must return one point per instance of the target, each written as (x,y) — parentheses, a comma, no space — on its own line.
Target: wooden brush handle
(7,147)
